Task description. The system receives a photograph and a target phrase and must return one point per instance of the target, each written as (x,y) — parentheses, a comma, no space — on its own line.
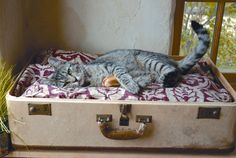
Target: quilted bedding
(199,85)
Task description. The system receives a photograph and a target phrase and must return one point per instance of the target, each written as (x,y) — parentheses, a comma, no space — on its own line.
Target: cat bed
(199,85)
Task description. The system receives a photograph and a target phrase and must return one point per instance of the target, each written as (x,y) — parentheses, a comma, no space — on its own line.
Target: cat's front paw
(132,87)
(143,81)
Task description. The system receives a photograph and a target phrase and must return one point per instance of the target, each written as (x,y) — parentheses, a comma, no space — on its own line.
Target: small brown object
(110,81)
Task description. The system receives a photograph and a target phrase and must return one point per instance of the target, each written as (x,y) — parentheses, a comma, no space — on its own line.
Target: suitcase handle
(118,134)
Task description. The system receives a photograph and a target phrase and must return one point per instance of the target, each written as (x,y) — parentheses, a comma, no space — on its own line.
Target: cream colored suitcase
(74,123)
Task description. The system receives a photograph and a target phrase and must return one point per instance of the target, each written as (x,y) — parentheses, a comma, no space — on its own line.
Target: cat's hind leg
(170,77)
(166,72)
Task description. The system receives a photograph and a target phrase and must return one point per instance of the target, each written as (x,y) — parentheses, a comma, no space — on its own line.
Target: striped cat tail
(199,51)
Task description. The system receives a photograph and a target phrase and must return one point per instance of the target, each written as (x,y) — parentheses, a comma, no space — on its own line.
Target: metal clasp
(209,113)
(125,109)
(39,109)
(104,118)
(144,119)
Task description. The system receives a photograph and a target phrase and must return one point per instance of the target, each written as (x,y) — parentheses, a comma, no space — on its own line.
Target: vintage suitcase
(88,123)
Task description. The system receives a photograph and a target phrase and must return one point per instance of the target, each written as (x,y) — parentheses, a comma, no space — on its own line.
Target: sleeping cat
(134,69)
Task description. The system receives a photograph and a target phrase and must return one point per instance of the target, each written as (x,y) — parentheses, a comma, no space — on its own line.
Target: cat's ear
(54,62)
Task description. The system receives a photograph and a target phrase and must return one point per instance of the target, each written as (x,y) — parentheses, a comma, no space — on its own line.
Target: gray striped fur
(134,69)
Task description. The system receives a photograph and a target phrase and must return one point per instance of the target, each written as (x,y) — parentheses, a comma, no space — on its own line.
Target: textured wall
(100,25)
(91,25)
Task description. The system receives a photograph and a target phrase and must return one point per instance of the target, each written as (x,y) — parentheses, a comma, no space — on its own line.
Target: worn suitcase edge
(226,149)
(223,150)
(222,79)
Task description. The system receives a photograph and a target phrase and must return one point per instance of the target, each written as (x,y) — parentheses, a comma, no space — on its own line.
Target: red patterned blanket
(199,85)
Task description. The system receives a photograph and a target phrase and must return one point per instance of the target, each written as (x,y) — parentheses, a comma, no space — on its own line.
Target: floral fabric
(199,85)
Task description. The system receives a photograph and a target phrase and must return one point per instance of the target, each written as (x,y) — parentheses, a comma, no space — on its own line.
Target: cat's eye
(69,72)
(87,83)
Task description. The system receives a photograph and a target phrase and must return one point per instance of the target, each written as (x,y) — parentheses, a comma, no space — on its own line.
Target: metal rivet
(32,109)
(215,112)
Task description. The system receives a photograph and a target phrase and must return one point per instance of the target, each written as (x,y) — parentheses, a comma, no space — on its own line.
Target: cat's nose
(77,79)
(71,79)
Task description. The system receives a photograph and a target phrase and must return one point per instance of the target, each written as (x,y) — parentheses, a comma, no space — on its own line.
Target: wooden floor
(112,154)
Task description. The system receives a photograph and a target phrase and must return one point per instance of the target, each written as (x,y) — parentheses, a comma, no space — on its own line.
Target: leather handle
(118,134)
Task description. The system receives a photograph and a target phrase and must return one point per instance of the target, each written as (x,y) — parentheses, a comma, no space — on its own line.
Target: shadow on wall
(28,26)
(52,24)
(12,37)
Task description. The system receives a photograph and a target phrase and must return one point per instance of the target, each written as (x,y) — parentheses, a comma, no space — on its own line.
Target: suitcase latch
(125,109)
(104,118)
(39,109)
(209,113)
(144,119)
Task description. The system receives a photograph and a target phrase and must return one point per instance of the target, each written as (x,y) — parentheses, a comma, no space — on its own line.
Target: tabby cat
(134,69)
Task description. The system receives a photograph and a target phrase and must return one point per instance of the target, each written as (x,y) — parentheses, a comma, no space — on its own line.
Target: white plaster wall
(90,25)
(100,25)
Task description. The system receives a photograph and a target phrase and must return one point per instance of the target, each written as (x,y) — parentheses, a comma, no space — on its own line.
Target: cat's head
(67,74)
